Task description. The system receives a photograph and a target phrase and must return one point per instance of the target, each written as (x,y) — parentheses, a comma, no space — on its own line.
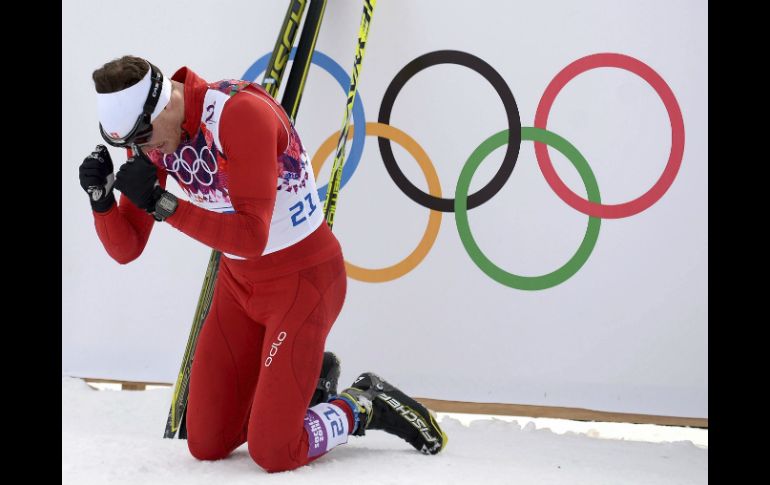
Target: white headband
(119,111)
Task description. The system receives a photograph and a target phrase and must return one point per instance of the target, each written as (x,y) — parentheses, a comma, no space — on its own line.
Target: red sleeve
(125,228)
(252,137)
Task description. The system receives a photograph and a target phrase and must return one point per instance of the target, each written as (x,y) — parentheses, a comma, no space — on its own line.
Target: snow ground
(116,437)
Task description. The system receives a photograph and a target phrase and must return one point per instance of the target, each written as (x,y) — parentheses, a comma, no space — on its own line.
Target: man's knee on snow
(271,459)
(212,449)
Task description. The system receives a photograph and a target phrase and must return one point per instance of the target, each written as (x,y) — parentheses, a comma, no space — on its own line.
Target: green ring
(461,211)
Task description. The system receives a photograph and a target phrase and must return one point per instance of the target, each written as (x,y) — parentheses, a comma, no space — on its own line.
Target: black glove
(96,178)
(137,179)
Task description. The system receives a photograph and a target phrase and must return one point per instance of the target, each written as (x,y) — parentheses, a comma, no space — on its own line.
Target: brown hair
(120,74)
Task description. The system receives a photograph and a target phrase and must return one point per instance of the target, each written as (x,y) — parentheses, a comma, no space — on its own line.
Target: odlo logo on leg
(274,348)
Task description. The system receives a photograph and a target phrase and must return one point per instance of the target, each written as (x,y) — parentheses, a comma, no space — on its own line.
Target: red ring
(611,211)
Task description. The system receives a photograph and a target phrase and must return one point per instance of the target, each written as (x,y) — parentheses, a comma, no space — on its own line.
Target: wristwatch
(165,206)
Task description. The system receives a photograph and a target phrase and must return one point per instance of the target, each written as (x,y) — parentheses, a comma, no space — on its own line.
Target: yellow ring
(434,188)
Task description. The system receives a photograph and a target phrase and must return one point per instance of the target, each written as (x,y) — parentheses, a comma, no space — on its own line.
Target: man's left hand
(137,179)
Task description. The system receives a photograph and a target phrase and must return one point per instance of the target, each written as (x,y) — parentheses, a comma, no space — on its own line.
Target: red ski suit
(259,354)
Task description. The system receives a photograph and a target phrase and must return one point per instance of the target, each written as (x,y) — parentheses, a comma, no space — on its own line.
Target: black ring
(511,110)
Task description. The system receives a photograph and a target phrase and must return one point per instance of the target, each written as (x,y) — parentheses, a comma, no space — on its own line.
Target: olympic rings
(512,138)
(359,119)
(177,164)
(461,212)
(612,211)
(434,187)
(511,110)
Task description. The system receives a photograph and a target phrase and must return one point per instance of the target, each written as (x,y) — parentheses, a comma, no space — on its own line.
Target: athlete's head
(137,105)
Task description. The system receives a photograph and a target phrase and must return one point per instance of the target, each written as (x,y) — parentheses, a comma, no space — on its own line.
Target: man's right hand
(97,177)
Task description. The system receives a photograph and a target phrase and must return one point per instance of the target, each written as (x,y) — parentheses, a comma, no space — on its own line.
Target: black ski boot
(383,406)
(327,383)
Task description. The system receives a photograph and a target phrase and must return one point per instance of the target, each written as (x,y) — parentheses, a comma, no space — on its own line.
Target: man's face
(167,127)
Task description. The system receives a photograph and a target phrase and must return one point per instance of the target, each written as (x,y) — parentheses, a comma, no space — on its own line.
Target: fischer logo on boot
(409,414)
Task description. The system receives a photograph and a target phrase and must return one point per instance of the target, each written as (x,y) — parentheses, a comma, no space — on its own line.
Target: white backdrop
(627,333)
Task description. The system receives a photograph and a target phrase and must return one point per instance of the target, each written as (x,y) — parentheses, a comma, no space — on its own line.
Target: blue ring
(359,119)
